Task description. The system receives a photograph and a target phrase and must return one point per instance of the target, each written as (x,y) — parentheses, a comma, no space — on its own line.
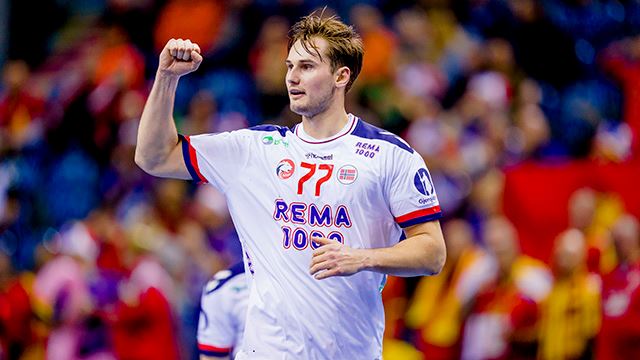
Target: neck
(327,123)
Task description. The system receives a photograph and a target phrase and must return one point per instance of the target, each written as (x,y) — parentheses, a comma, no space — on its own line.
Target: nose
(292,77)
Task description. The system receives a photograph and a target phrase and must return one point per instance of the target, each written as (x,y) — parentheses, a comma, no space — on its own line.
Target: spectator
(20,110)
(144,326)
(593,214)
(504,318)
(15,312)
(266,64)
(439,305)
(619,337)
(379,42)
(570,315)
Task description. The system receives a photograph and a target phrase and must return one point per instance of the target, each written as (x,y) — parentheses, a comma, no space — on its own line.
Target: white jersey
(223,309)
(359,187)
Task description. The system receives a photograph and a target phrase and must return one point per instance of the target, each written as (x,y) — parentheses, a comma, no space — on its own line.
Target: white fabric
(291,315)
(223,311)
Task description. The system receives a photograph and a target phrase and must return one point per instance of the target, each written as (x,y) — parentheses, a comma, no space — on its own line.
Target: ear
(343,74)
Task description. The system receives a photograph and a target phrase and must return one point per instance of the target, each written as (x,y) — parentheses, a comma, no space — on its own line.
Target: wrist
(367,260)
(167,76)
(166,81)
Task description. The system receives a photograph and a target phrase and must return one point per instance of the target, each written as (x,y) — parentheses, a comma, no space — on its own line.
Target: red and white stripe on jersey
(191,160)
(419,216)
(210,350)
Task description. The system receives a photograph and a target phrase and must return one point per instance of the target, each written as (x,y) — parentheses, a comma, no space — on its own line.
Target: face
(458,237)
(500,238)
(310,82)
(569,252)
(626,237)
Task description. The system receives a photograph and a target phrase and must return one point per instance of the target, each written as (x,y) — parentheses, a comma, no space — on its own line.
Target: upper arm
(205,357)
(430,228)
(430,234)
(174,165)
(428,237)
(171,166)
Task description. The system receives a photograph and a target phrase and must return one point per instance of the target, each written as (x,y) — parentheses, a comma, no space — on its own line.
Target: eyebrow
(305,61)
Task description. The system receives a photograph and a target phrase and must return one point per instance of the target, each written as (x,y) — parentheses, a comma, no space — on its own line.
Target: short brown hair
(345,44)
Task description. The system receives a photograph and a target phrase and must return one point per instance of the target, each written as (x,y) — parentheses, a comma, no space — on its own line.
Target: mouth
(295,93)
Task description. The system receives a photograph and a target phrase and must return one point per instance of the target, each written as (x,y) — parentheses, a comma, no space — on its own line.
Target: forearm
(418,255)
(421,253)
(157,134)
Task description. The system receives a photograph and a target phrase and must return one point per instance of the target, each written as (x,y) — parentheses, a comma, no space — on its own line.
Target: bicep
(174,166)
(428,236)
(430,228)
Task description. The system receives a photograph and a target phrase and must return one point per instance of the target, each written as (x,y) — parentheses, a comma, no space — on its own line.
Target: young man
(223,309)
(326,200)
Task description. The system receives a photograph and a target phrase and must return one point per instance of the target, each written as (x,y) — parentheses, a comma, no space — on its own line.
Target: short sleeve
(216,158)
(216,326)
(412,195)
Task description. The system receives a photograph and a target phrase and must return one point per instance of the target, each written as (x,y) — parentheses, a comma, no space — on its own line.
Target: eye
(307,67)
(289,66)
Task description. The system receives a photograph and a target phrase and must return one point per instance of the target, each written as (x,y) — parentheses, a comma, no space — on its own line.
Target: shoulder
(371,135)
(225,278)
(265,129)
(259,131)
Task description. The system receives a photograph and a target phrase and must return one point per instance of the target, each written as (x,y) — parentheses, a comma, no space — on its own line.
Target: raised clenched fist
(179,57)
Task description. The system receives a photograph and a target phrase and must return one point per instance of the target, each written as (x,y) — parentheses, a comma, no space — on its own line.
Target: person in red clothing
(619,336)
(20,110)
(15,312)
(144,326)
(503,320)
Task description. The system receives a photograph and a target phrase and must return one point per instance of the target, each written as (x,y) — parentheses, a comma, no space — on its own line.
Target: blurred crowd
(100,261)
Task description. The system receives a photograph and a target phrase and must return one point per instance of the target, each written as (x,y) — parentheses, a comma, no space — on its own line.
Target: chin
(300,110)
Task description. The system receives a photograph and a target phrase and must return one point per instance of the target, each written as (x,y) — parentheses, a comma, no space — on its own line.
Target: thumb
(197,58)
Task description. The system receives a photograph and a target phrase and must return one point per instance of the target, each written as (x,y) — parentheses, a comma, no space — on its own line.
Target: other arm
(158,150)
(422,253)
(205,357)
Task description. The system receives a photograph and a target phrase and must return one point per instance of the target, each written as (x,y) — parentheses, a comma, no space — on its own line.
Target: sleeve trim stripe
(213,351)
(418,214)
(191,160)
(420,220)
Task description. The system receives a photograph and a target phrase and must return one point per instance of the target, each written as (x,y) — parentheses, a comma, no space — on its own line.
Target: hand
(333,258)
(179,57)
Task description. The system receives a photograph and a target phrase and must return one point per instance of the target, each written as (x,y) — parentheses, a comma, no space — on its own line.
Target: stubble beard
(313,107)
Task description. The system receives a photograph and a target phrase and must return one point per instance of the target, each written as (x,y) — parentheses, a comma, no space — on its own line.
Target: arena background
(524,109)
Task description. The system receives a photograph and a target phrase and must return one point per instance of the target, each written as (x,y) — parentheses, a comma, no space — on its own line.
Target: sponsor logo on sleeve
(285,169)
(270,140)
(423,183)
(347,174)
